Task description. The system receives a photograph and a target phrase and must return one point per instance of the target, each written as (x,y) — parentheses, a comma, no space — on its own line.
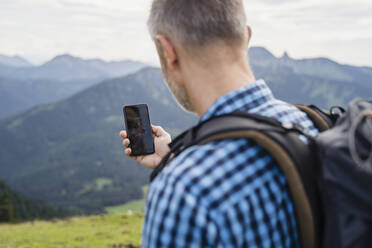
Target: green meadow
(120,228)
(105,231)
(130,207)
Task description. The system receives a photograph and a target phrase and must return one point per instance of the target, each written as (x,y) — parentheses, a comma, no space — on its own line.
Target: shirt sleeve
(174,218)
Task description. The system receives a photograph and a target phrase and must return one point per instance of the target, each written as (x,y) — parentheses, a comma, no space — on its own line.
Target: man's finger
(128,151)
(137,158)
(154,128)
(123,134)
(158,130)
(126,142)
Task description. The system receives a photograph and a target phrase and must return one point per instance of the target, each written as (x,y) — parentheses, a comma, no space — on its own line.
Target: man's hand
(161,141)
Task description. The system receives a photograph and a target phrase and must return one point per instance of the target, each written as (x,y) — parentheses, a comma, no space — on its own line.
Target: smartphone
(138,126)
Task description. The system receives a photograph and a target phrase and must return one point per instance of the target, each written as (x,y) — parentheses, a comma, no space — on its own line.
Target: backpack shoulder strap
(294,157)
(323,120)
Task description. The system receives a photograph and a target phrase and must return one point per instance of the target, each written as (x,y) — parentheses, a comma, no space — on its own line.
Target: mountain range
(14,61)
(69,153)
(68,68)
(319,81)
(24,87)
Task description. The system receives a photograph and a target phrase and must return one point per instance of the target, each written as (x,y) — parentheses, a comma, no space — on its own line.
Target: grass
(120,228)
(106,231)
(136,206)
(130,207)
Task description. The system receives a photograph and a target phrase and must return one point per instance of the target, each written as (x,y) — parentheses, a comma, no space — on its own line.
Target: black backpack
(329,178)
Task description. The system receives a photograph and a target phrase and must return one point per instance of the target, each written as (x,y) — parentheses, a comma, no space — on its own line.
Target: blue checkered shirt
(227,193)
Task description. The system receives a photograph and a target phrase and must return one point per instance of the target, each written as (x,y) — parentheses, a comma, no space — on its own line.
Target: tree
(6,207)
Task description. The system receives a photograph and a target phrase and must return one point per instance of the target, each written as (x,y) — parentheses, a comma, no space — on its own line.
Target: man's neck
(208,85)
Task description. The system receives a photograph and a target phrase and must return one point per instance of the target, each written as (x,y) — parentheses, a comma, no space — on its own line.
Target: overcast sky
(116,29)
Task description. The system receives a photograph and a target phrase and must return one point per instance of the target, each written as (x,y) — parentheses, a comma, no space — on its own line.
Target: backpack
(329,177)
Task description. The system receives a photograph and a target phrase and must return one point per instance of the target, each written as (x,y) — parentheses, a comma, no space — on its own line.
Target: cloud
(8,2)
(116,29)
(308,28)
(75,4)
(277,2)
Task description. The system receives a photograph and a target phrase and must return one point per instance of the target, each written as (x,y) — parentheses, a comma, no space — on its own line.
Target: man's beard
(179,94)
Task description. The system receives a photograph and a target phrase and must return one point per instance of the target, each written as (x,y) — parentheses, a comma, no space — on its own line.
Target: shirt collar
(245,98)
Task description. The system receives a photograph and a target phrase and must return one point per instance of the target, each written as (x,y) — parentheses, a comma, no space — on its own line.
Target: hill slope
(17,96)
(17,207)
(315,67)
(70,154)
(63,76)
(317,81)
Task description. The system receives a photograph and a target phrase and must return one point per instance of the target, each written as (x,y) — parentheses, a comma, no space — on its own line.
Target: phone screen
(139,129)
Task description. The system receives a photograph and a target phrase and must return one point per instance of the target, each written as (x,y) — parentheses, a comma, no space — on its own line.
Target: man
(227,193)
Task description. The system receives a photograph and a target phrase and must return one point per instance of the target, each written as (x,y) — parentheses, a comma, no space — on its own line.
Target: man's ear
(168,50)
(249,34)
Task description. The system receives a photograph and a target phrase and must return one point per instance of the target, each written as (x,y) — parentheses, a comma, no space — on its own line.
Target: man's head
(194,32)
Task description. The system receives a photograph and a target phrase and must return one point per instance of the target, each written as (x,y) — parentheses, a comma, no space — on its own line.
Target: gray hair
(196,23)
